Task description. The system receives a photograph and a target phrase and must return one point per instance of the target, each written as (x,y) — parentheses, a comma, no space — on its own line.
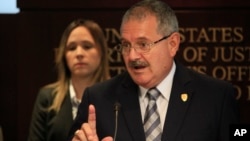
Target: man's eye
(125,45)
(142,45)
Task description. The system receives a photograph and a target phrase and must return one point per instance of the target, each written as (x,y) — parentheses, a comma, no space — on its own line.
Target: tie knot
(153,94)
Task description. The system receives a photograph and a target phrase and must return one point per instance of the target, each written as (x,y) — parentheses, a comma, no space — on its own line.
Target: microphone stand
(117,106)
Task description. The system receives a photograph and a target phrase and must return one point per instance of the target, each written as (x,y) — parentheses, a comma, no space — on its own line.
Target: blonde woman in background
(81,61)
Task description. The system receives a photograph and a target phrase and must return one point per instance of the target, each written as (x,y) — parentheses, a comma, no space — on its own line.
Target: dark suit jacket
(205,116)
(49,126)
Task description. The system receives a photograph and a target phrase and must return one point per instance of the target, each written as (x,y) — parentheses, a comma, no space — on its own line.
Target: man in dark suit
(190,106)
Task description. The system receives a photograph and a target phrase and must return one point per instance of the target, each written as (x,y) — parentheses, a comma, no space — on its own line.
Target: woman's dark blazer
(49,126)
(206,115)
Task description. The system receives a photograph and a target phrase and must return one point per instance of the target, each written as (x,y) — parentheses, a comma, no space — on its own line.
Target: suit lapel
(131,109)
(67,109)
(177,107)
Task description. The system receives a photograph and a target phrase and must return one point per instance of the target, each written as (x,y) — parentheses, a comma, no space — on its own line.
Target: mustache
(138,63)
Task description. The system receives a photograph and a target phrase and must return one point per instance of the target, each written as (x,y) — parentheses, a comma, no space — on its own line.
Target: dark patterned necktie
(152,126)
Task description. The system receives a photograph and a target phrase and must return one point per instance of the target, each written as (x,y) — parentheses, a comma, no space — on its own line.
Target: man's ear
(174,43)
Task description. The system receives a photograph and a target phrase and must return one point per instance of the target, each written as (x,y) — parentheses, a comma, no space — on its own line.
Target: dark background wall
(215,41)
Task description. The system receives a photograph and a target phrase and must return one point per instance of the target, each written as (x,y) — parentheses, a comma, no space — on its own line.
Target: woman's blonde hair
(61,86)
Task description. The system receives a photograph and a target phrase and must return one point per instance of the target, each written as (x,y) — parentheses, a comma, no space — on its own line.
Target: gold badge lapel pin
(184,97)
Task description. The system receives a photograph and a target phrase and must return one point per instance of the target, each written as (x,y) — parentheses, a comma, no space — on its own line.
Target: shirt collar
(71,90)
(164,86)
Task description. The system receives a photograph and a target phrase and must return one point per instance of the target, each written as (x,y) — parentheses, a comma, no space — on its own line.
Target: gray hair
(165,16)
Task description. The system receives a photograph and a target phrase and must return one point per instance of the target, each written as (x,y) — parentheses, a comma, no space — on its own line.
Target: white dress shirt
(162,102)
(74,101)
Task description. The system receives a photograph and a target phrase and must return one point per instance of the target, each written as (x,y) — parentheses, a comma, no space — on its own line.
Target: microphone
(117,106)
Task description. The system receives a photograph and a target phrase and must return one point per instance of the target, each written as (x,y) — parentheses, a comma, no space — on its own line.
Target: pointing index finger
(92,118)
